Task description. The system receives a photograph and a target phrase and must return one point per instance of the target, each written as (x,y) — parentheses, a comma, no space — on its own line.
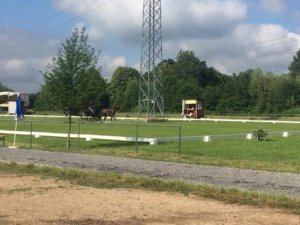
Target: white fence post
(249,136)
(207,139)
(285,134)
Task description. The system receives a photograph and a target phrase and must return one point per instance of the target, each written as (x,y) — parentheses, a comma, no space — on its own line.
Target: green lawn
(275,153)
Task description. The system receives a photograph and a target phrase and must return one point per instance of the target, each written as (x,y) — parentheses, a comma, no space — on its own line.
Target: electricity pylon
(150,88)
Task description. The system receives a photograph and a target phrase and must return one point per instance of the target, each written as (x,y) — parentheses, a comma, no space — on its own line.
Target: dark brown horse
(108,112)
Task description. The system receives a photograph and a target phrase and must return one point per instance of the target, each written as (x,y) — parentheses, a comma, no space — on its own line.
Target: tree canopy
(294,67)
(73,80)
(123,88)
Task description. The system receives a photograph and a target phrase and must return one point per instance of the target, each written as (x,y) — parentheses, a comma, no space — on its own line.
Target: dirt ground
(34,200)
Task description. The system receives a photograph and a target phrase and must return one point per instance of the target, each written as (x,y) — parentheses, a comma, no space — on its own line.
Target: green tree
(294,67)
(4,87)
(42,102)
(169,80)
(188,77)
(267,92)
(236,94)
(180,79)
(212,95)
(93,88)
(72,79)
(188,66)
(131,96)
(123,79)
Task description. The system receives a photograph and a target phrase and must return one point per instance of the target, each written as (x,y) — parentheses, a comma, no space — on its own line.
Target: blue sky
(285,13)
(231,35)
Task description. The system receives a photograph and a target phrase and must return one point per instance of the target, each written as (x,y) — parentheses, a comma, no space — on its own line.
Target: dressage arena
(154,141)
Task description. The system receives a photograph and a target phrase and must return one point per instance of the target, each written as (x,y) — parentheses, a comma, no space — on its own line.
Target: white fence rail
(208,138)
(151,141)
(87,137)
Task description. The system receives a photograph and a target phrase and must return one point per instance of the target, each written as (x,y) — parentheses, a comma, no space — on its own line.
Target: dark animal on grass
(91,114)
(108,112)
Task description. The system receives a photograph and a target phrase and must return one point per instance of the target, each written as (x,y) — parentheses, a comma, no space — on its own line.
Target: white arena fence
(136,138)
(209,138)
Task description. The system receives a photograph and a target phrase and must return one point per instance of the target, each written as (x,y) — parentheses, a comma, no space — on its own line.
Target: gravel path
(278,183)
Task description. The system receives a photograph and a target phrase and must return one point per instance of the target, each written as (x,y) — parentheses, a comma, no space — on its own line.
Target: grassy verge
(275,154)
(113,180)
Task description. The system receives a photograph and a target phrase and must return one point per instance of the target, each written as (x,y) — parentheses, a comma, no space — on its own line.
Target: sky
(230,35)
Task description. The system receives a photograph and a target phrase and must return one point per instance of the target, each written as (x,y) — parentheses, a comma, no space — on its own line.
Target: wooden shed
(8,101)
(193,108)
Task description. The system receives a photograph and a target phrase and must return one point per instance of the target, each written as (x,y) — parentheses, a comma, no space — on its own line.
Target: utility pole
(150,88)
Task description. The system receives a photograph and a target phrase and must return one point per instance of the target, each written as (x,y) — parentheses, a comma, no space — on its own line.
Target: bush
(260,134)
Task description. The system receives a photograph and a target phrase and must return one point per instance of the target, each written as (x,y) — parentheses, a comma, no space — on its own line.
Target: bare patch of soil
(33,200)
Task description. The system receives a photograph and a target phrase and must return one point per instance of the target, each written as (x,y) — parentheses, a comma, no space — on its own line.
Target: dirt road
(278,183)
(33,201)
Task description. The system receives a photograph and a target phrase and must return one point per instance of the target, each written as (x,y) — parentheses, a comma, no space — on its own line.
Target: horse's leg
(112,117)
(109,114)
(100,117)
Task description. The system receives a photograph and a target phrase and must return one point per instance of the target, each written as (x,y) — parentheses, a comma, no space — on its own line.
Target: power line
(222,54)
(56,26)
(44,21)
(16,9)
(225,56)
(281,52)
(255,46)
(256,43)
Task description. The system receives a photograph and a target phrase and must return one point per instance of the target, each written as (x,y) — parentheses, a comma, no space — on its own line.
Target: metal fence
(30,128)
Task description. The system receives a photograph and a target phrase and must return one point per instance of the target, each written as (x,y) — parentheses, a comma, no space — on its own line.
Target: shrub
(260,134)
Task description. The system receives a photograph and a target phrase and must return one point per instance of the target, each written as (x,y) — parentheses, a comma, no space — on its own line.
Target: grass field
(275,153)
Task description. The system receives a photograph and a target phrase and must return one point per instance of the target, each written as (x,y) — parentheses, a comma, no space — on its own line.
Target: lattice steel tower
(150,91)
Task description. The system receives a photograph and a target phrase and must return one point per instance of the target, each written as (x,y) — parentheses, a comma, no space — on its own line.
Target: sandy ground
(33,200)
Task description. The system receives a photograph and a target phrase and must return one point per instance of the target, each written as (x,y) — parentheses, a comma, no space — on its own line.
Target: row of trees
(251,91)
(73,81)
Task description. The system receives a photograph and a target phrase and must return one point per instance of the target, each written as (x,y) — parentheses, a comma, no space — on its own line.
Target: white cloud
(108,18)
(22,58)
(12,66)
(267,46)
(180,18)
(23,74)
(117,23)
(217,30)
(208,18)
(273,6)
(109,64)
